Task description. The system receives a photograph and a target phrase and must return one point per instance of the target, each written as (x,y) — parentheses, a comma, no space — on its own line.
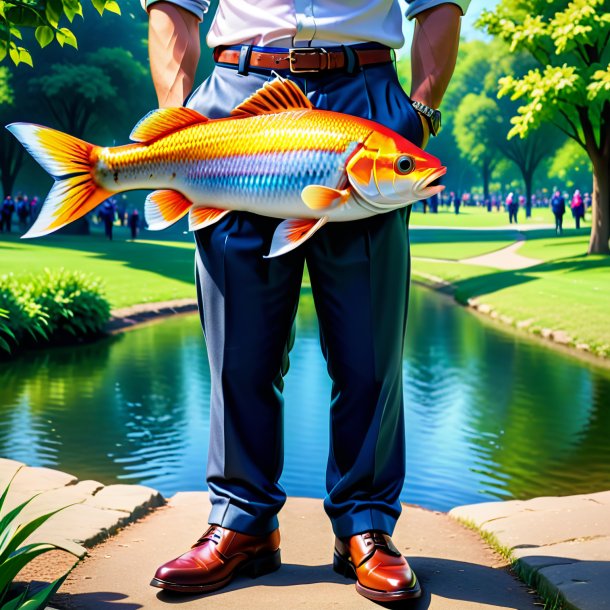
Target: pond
(488,415)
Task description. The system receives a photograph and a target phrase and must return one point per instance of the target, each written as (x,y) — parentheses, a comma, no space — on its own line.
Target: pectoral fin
(292,233)
(164,208)
(200,218)
(318,197)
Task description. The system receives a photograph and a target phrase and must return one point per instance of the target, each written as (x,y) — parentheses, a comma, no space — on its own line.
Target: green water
(488,415)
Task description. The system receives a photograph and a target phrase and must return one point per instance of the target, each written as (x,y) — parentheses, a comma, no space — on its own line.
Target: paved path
(562,544)
(457,570)
(506,258)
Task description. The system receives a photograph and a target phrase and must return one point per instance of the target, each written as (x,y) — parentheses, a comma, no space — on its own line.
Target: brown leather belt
(310,59)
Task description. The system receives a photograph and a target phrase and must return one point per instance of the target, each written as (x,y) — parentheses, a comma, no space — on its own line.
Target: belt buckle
(295,52)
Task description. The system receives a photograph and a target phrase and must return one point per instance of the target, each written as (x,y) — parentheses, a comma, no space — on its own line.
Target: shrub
(72,301)
(56,305)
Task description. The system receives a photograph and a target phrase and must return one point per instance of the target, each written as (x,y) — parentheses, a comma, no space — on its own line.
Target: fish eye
(404,164)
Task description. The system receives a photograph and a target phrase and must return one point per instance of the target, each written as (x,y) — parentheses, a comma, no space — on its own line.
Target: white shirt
(298,23)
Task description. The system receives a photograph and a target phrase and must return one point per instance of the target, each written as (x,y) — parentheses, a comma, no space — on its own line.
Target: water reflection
(488,416)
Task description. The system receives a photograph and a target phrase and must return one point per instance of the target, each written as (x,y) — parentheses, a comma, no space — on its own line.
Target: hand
(426,129)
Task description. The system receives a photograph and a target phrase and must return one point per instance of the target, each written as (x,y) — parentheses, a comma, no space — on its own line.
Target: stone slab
(7,470)
(51,499)
(562,544)
(584,585)
(85,525)
(32,479)
(133,499)
(456,569)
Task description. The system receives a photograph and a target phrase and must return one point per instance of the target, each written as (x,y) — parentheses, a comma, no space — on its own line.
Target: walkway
(457,570)
(505,258)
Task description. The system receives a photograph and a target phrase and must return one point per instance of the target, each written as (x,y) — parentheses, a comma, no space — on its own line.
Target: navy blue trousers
(360,275)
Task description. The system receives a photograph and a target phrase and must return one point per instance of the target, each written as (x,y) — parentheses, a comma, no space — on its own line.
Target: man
(340,56)
(558,205)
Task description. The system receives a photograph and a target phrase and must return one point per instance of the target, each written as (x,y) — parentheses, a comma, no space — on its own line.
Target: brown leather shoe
(216,557)
(381,572)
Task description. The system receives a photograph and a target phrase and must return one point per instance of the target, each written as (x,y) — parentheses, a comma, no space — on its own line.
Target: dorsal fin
(279,95)
(164,121)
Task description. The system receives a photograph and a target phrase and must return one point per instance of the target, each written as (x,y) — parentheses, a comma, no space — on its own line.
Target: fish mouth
(424,187)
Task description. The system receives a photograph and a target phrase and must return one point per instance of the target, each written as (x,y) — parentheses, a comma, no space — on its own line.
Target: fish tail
(70,161)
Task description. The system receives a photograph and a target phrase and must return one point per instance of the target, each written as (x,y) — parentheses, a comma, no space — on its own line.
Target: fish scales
(239,163)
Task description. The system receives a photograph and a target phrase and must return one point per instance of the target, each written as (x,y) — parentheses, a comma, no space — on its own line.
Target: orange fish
(276,155)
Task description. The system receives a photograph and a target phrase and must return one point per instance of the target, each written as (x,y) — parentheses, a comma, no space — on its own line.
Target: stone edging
(558,545)
(559,338)
(97,512)
(127,317)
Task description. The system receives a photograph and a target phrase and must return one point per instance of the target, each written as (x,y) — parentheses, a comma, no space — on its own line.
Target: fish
(275,155)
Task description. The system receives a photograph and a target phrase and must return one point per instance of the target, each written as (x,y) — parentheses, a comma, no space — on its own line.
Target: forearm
(174,49)
(433,52)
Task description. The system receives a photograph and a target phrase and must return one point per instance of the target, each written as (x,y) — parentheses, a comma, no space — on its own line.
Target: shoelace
(212,533)
(379,541)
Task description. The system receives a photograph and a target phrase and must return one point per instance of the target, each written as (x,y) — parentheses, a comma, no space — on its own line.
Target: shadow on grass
(451,236)
(168,260)
(498,280)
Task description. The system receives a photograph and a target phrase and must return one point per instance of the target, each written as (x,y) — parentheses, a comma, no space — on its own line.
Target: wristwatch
(432,116)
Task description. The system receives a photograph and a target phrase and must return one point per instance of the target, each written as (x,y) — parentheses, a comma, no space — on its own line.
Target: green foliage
(51,306)
(14,556)
(571,165)
(45,17)
(571,84)
(72,301)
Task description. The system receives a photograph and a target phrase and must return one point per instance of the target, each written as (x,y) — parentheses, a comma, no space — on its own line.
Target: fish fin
(164,208)
(279,95)
(164,121)
(58,153)
(292,233)
(318,197)
(199,218)
(68,160)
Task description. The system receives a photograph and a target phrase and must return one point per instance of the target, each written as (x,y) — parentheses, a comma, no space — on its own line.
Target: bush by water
(55,306)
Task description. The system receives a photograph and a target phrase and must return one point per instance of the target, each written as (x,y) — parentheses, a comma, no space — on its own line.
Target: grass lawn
(133,272)
(568,291)
(455,245)
(472,216)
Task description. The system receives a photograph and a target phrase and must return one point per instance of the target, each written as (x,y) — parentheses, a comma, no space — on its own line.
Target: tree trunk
(486,178)
(600,207)
(528,179)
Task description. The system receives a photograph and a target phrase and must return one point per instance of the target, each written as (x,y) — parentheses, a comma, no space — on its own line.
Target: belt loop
(351,59)
(244,59)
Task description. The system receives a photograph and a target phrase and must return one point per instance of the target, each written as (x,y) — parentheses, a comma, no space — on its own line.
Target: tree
(44,17)
(569,85)
(477,128)
(101,86)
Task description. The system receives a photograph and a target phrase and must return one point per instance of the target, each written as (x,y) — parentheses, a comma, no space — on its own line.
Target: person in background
(107,213)
(511,206)
(134,223)
(6,214)
(587,201)
(34,208)
(23,211)
(578,208)
(340,55)
(558,205)
(457,202)
(434,204)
